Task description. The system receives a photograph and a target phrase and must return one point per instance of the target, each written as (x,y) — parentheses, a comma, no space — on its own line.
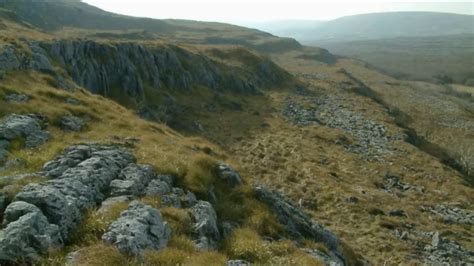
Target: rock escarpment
(130,68)
(79,179)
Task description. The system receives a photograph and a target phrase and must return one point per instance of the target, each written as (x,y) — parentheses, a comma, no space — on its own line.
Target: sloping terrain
(119,151)
(446,59)
(435,47)
(392,25)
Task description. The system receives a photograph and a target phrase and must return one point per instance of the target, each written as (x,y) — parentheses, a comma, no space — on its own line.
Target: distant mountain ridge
(394,24)
(373,26)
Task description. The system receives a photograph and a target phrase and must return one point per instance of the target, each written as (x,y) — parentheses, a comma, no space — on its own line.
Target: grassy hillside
(391,25)
(72,18)
(420,58)
(375,169)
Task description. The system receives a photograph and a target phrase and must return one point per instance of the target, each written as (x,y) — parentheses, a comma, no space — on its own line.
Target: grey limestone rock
(72,123)
(139,228)
(299,224)
(28,234)
(132,180)
(229,175)
(29,127)
(14,97)
(205,226)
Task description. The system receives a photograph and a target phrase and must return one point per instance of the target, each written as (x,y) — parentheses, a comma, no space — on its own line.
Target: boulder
(298,224)
(205,226)
(28,234)
(132,180)
(139,228)
(60,209)
(72,123)
(16,210)
(8,58)
(229,175)
(80,176)
(14,97)
(157,188)
(28,127)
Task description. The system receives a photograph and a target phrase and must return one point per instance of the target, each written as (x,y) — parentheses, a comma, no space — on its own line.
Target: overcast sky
(264,10)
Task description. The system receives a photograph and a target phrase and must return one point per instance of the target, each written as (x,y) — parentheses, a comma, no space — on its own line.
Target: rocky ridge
(131,67)
(43,216)
(373,138)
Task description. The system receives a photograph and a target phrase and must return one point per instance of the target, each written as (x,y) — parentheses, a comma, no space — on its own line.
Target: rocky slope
(332,164)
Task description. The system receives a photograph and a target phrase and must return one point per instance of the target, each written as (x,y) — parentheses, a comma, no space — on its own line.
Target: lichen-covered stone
(139,228)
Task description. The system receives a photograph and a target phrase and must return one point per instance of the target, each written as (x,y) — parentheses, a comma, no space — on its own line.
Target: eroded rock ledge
(43,216)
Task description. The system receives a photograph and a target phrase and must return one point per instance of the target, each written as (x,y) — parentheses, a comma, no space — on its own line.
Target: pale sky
(264,10)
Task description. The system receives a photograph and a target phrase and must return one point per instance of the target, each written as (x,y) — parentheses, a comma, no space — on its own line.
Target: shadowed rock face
(129,68)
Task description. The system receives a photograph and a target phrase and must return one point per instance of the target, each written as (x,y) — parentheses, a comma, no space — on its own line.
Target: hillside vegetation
(436,58)
(184,146)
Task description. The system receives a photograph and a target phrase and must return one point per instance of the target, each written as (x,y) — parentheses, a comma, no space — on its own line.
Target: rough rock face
(451,214)
(160,186)
(100,67)
(72,123)
(446,251)
(11,60)
(43,215)
(393,182)
(132,180)
(14,97)
(28,127)
(140,227)
(28,233)
(228,174)
(205,226)
(128,67)
(298,224)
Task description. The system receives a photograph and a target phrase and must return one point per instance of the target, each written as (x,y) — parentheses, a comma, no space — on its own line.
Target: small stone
(238,263)
(352,199)
(398,212)
(19,98)
(73,101)
(229,175)
(72,123)
(376,211)
(157,187)
(436,240)
(205,226)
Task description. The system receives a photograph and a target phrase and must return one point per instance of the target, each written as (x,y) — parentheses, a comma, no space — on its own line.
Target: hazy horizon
(247,11)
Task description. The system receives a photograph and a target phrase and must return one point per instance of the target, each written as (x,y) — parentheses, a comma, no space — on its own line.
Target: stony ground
(399,201)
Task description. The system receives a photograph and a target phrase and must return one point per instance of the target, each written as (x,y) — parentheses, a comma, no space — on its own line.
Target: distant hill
(420,58)
(370,26)
(298,29)
(74,18)
(410,45)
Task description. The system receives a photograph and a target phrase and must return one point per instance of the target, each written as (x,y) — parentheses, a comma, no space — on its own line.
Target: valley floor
(342,156)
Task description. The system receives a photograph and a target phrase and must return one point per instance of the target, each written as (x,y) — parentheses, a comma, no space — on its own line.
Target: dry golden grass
(307,165)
